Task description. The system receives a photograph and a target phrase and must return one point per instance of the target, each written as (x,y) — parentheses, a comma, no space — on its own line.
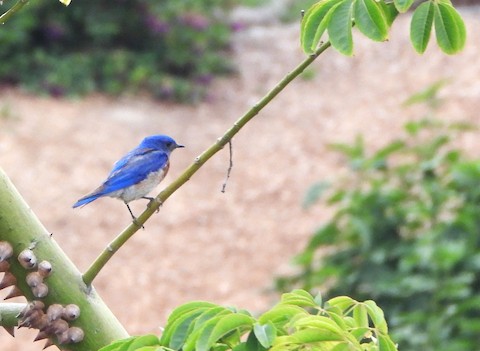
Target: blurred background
(389,216)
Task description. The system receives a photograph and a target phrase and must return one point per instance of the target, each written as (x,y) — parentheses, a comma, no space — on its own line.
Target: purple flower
(53,31)
(156,25)
(237,26)
(204,79)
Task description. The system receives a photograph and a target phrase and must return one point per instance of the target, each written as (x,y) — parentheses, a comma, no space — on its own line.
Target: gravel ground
(206,245)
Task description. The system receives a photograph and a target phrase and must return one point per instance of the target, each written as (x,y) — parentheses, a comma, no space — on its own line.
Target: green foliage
(406,234)
(298,322)
(374,18)
(171,49)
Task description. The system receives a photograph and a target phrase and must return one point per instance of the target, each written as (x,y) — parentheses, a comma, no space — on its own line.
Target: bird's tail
(87,199)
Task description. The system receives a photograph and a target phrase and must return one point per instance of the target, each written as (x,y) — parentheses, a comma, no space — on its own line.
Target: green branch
(117,243)
(24,232)
(14,9)
(9,314)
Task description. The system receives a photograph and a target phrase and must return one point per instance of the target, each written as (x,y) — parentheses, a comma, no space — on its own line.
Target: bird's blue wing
(135,153)
(133,168)
(129,170)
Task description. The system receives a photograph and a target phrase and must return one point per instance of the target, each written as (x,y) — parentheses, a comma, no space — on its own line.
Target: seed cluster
(53,321)
(6,252)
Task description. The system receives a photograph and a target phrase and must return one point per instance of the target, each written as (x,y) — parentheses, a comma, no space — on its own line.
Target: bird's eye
(168,144)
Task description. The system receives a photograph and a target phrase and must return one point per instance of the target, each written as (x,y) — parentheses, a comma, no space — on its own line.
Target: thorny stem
(199,161)
(14,9)
(9,313)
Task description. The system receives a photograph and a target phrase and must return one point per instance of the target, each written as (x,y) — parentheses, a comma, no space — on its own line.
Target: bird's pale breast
(142,188)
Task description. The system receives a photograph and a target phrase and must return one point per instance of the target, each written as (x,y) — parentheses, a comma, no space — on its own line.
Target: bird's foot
(135,221)
(151,201)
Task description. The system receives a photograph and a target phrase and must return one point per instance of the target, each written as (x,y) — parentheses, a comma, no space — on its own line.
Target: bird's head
(160,142)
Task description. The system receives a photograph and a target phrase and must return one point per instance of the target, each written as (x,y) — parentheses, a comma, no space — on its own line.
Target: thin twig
(199,161)
(230,165)
(14,9)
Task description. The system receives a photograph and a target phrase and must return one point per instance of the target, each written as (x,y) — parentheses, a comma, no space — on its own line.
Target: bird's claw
(134,221)
(151,201)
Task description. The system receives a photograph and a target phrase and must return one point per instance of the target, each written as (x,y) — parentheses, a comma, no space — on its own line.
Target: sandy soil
(206,245)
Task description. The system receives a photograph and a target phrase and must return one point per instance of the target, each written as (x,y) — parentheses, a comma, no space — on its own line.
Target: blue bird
(137,173)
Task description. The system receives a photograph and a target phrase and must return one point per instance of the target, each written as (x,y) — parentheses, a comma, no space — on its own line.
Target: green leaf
(403,5)
(421,26)
(360,316)
(314,193)
(179,311)
(360,333)
(307,336)
(298,297)
(144,340)
(389,11)
(314,23)
(449,28)
(117,344)
(210,314)
(179,330)
(265,333)
(281,314)
(343,346)
(428,95)
(224,326)
(376,315)
(180,319)
(385,343)
(341,302)
(202,332)
(318,322)
(370,19)
(388,150)
(340,28)
(202,341)
(252,344)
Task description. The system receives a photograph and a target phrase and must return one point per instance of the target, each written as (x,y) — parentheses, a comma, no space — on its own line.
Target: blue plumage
(136,173)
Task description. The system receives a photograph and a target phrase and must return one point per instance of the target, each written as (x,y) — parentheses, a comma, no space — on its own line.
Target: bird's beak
(178,146)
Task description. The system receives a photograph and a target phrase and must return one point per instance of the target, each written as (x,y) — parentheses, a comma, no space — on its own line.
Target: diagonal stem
(199,161)
(14,9)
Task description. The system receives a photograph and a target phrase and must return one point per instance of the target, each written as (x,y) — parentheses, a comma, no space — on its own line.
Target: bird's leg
(151,200)
(134,219)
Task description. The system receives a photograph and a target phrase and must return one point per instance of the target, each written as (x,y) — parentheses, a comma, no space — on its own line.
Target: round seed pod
(54,312)
(58,327)
(75,334)
(71,312)
(27,259)
(45,268)
(34,279)
(42,322)
(6,250)
(40,291)
(63,338)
